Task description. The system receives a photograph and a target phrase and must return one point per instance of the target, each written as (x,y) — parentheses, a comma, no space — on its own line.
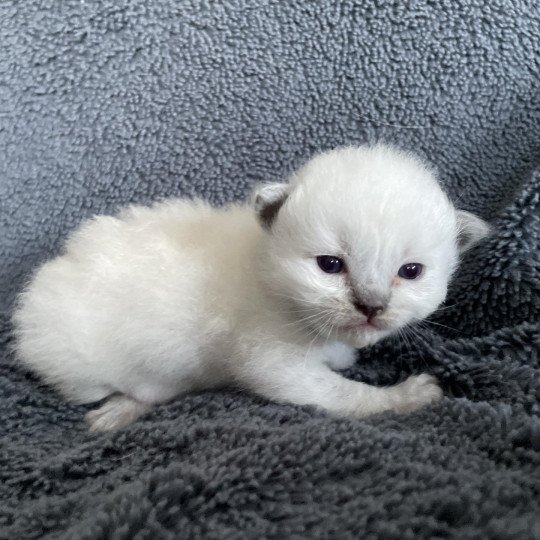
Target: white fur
(178,297)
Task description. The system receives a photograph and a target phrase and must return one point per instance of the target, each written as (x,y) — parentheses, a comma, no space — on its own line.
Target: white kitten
(180,297)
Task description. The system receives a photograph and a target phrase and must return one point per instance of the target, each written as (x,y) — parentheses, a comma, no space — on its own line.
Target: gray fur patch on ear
(470,230)
(268,199)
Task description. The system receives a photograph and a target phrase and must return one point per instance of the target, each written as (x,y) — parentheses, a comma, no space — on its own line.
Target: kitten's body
(179,297)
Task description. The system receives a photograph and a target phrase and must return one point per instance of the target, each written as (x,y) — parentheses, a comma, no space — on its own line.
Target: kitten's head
(362,241)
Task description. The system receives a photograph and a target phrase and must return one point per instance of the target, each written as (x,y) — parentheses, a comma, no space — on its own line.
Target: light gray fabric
(106,103)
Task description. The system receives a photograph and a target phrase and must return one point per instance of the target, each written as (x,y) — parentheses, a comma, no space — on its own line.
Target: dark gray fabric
(104,103)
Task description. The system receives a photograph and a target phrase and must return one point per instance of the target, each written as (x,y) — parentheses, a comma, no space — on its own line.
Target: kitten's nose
(369,311)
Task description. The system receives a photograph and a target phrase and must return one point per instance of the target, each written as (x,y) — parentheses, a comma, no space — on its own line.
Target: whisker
(426,321)
(443,308)
(303,319)
(296,298)
(417,353)
(313,341)
(330,328)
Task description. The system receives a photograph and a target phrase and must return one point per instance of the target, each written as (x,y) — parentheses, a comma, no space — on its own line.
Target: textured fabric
(105,103)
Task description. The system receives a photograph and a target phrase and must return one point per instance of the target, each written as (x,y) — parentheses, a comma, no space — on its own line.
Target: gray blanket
(108,102)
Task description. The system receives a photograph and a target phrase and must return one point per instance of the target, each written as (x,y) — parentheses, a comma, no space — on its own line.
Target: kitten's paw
(414,393)
(117,412)
(340,356)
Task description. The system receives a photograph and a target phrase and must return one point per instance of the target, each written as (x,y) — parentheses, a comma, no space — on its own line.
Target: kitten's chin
(357,334)
(363,336)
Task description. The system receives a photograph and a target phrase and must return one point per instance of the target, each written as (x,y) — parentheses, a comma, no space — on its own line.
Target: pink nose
(369,311)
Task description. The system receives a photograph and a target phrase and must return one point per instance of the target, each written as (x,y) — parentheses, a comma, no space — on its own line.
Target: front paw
(414,393)
(340,356)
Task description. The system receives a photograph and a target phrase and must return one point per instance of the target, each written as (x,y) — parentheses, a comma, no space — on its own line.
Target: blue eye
(330,264)
(410,270)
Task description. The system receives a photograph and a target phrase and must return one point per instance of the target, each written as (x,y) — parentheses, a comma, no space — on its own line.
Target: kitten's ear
(470,230)
(267,200)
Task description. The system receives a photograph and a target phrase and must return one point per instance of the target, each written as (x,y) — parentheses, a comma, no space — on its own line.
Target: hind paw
(117,412)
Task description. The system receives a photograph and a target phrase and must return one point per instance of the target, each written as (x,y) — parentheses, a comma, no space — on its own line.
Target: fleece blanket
(109,102)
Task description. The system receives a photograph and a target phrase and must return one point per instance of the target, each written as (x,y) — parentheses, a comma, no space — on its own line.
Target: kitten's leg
(339,356)
(316,384)
(118,411)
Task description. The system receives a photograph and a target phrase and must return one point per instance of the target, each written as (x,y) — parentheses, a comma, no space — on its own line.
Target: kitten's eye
(330,264)
(410,270)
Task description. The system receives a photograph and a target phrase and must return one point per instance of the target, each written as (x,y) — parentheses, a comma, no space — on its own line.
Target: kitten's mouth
(357,326)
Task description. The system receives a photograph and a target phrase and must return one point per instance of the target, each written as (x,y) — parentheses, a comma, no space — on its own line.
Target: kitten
(270,296)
